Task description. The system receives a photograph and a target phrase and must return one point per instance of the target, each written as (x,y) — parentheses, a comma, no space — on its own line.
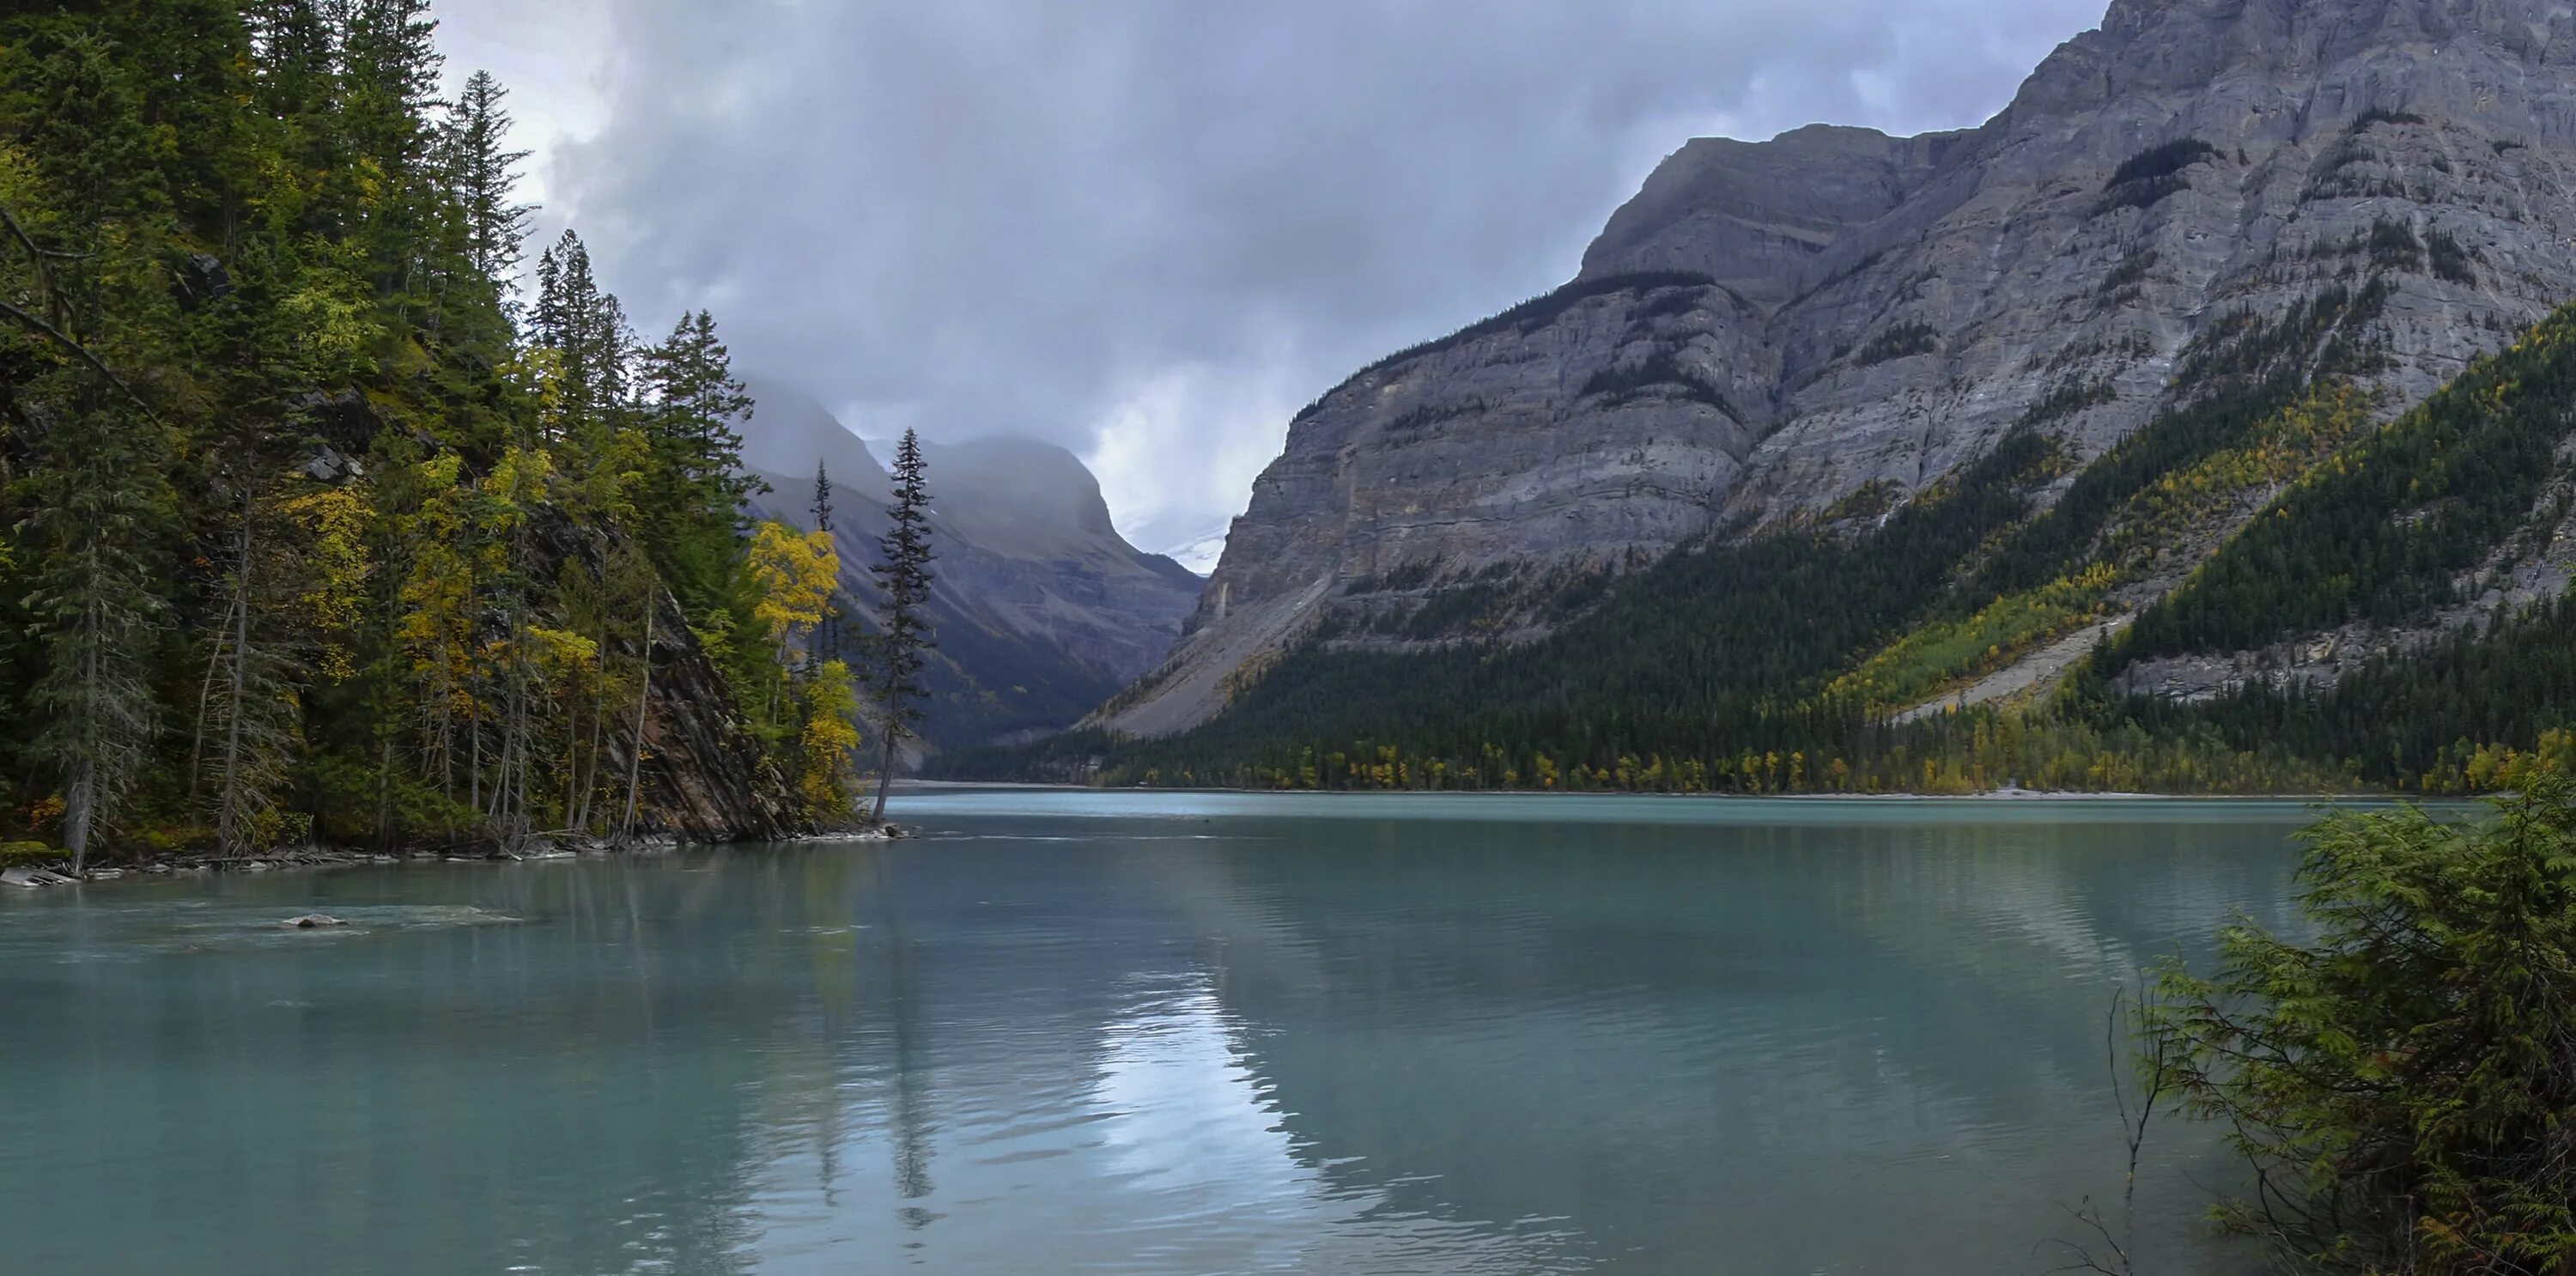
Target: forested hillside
(1778,662)
(309,528)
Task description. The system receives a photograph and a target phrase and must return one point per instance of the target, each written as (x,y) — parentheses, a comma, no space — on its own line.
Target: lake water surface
(1143,1033)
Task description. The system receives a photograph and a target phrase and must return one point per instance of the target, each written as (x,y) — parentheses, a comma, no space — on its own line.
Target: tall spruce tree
(586,329)
(695,402)
(903,574)
(694,480)
(389,68)
(826,638)
(482,172)
(95,505)
(92,511)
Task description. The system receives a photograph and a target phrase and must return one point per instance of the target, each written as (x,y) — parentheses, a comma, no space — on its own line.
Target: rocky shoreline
(58,871)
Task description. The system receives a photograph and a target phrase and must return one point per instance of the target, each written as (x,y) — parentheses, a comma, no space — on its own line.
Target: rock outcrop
(704,777)
(1824,324)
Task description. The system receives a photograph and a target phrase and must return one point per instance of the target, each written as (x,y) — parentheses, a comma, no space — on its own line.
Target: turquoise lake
(1138,1033)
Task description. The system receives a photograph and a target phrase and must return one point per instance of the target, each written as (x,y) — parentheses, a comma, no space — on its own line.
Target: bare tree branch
(44,276)
(39,252)
(56,335)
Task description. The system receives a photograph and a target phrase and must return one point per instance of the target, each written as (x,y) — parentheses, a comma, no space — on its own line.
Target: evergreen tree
(92,510)
(295,54)
(903,575)
(586,329)
(93,599)
(693,463)
(389,71)
(695,402)
(482,172)
(826,637)
(2399,1080)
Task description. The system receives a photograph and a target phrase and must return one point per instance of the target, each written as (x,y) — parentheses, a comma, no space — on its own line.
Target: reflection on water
(1135,1033)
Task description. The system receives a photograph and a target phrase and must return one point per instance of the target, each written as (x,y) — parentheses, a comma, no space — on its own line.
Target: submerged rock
(311,921)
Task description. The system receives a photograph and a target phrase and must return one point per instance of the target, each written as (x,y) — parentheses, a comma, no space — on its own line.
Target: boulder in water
(312,921)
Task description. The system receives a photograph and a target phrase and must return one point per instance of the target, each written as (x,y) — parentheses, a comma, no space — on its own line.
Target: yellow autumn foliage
(332,598)
(795,573)
(831,743)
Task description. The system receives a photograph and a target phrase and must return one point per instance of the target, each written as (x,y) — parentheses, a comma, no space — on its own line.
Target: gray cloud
(1149,229)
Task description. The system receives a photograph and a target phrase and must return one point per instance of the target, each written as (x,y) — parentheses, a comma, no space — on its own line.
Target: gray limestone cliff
(1824,323)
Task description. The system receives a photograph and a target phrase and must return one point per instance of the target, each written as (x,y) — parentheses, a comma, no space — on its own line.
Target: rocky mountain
(1034,552)
(790,432)
(1823,329)
(1041,609)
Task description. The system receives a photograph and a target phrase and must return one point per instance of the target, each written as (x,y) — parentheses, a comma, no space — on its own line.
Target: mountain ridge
(1744,351)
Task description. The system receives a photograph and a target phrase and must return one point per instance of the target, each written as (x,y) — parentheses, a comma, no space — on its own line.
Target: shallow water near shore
(1137,1032)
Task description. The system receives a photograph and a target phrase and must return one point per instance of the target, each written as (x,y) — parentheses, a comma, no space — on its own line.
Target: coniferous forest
(327,510)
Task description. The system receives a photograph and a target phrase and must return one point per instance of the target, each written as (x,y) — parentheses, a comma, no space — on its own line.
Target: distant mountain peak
(790,432)
(1041,608)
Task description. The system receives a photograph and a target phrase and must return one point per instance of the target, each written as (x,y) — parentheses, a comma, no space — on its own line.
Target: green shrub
(2404,1085)
(16,853)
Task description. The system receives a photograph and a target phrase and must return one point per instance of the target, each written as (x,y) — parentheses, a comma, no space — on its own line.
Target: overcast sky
(1151,229)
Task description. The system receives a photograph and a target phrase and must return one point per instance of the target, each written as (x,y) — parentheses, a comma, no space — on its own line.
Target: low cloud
(1150,229)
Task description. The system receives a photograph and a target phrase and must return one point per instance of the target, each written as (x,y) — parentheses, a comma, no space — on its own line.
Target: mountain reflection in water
(1137,1033)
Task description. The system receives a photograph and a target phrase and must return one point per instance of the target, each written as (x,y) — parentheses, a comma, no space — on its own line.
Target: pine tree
(903,574)
(389,75)
(696,401)
(95,510)
(826,640)
(294,74)
(97,500)
(694,473)
(586,328)
(482,172)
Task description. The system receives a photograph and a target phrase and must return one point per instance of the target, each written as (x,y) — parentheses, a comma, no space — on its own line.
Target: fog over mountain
(1150,231)
(1042,609)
